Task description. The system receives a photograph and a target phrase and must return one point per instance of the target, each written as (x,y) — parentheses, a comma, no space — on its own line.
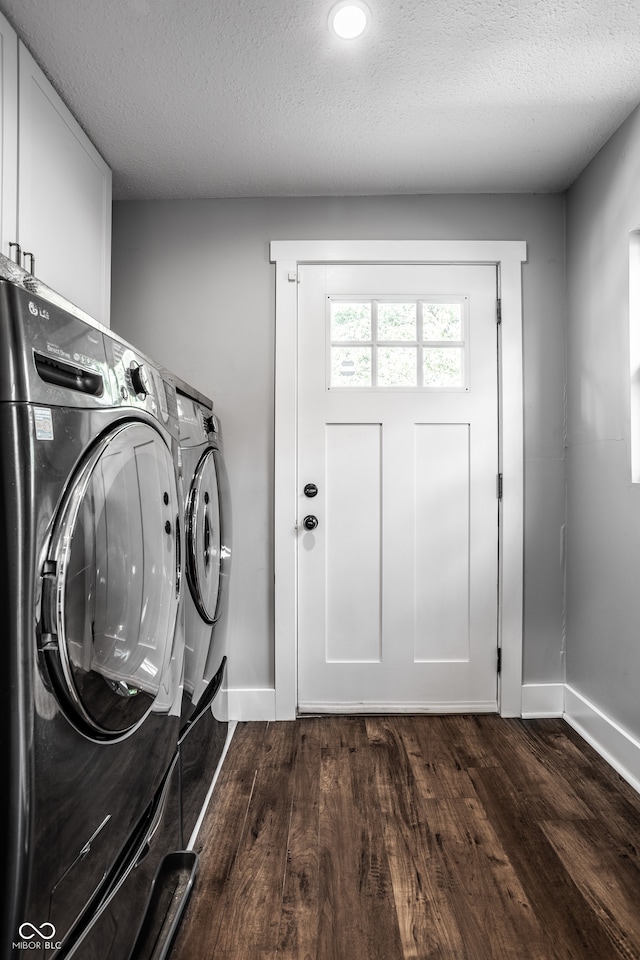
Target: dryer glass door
(203,537)
(113,578)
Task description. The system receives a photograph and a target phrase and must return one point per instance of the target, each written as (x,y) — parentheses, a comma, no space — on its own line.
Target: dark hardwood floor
(415,838)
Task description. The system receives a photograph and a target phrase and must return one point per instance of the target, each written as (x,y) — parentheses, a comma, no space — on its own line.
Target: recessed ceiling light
(349,19)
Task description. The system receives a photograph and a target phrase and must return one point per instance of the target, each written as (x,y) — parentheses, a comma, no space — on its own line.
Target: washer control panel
(137,383)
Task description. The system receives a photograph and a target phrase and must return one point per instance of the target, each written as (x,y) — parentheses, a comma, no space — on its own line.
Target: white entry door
(398,434)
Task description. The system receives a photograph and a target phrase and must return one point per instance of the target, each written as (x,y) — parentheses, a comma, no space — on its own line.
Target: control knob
(140,380)
(211,424)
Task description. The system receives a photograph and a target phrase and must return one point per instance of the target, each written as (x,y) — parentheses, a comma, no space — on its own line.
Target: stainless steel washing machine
(89,585)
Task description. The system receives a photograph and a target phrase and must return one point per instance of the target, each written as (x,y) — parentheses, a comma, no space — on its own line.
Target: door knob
(310,490)
(310,522)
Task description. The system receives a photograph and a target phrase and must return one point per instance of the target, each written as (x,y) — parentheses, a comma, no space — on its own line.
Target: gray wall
(193,287)
(603,518)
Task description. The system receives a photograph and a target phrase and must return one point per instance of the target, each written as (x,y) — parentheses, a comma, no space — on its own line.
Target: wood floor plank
(600,787)
(469,736)
(219,841)
(232,795)
(427,923)
(299,919)
(538,803)
(607,880)
(250,902)
(357,918)
(573,931)
(531,771)
(484,884)
(435,763)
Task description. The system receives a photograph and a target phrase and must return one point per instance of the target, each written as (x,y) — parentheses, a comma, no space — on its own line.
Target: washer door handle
(206,541)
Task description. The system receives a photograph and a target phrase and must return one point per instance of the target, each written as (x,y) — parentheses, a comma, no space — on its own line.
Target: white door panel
(398,582)
(352,537)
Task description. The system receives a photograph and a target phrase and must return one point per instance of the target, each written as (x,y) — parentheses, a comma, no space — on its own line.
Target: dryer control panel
(198,424)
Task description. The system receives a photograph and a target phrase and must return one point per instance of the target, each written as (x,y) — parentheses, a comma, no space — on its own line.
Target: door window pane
(442,321)
(396,321)
(350,321)
(398,343)
(397,367)
(351,366)
(442,367)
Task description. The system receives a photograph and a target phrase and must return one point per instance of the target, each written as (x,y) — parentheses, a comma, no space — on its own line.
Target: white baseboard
(251,703)
(615,745)
(542,700)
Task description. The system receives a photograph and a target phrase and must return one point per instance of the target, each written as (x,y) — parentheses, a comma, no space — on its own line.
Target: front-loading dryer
(89,587)
(203,611)
(207,551)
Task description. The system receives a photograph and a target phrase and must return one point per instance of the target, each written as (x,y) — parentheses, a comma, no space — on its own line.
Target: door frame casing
(508,256)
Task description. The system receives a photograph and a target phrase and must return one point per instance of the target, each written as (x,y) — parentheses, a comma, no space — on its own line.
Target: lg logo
(33,309)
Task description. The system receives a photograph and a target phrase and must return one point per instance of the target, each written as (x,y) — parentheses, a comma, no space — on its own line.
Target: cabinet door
(64,196)
(9,133)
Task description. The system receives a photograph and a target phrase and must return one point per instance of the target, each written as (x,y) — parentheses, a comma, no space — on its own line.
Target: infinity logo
(24,927)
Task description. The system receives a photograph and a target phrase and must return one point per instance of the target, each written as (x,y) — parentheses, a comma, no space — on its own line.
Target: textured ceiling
(245,98)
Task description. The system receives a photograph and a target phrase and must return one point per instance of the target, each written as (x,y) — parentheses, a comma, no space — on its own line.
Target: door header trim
(398,251)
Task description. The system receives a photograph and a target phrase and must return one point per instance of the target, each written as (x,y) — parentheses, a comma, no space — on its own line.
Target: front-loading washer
(89,586)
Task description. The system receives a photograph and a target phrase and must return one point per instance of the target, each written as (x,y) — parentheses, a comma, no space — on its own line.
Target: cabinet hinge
(293,277)
(499,660)
(499,486)
(499,310)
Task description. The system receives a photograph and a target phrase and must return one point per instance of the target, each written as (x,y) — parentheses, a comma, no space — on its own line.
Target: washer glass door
(203,537)
(113,570)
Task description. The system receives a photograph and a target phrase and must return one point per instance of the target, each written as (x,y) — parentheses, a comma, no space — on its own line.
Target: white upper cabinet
(64,196)
(9,132)
(61,194)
